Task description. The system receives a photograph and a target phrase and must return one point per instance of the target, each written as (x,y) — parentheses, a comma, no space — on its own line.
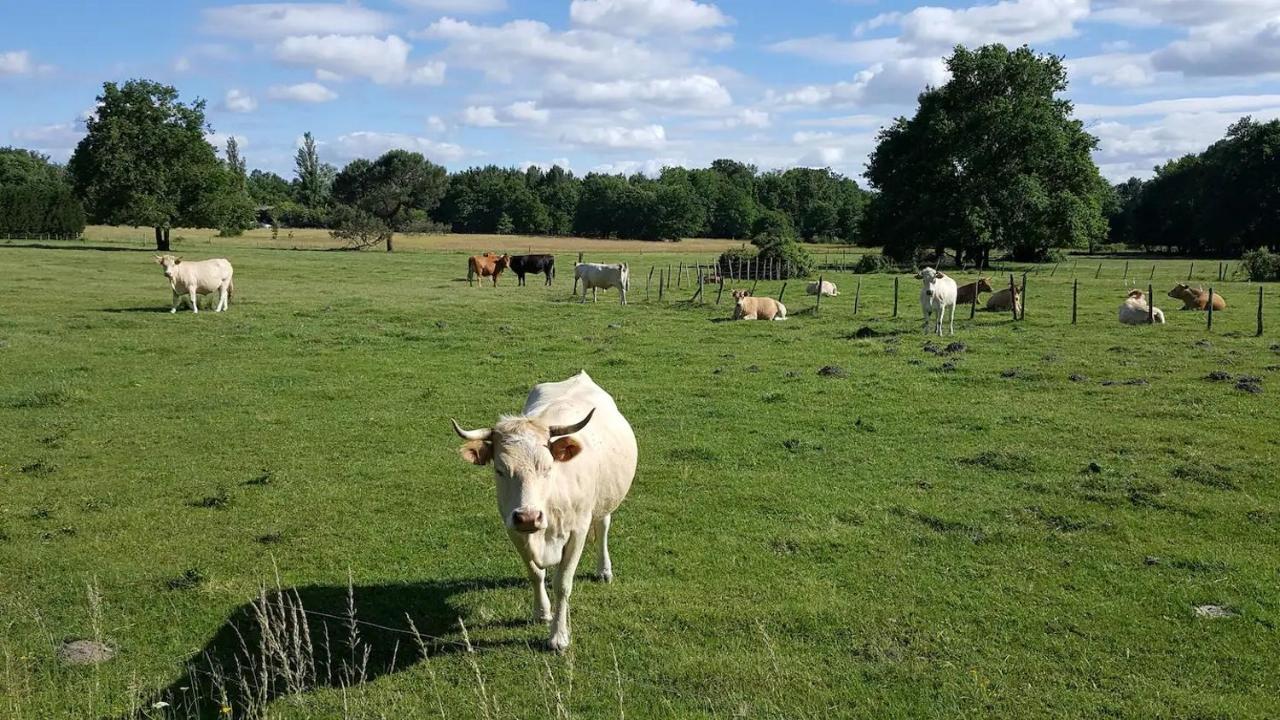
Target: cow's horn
(558,430)
(481,434)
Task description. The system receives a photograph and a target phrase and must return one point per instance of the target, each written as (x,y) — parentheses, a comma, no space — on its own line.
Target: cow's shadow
(296,639)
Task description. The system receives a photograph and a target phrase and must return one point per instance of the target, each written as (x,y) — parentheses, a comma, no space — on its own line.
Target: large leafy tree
(145,160)
(313,178)
(992,159)
(399,189)
(35,197)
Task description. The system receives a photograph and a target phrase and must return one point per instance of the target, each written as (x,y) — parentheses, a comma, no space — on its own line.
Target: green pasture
(1021,528)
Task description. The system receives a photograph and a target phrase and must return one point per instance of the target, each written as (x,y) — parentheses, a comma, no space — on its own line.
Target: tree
(268,188)
(314,179)
(992,159)
(235,162)
(35,196)
(395,188)
(144,160)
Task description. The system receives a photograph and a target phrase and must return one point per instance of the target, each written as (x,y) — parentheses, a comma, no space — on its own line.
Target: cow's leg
(593,294)
(194,300)
(177,300)
(604,568)
(953,319)
(623,292)
(584,294)
(222,299)
(564,588)
(541,603)
(926,320)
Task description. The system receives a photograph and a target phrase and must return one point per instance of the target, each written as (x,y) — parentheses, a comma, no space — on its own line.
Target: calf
(487,265)
(937,293)
(562,468)
(188,280)
(1135,310)
(602,276)
(747,307)
(523,265)
(1196,299)
(828,288)
(1004,300)
(969,293)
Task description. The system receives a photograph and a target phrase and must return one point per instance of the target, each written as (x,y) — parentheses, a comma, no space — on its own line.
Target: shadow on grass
(299,639)
(98,248)
(148,309)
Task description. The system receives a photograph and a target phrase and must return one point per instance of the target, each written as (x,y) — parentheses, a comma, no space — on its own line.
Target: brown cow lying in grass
(1196,299)
(966,294)
(757,308)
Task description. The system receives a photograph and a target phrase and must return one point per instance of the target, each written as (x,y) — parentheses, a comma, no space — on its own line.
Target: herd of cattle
(564,465)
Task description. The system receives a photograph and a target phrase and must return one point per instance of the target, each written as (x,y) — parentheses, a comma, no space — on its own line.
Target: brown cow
(1196,299)
(487,265)
(966,294)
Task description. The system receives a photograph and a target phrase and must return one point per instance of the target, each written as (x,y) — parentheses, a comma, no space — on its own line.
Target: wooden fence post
(661,277)
(680,275)
(1075,291)
(721,290)
(1190,270)
(818,307)
(1054,270)
(895,296)
(1023,314)
(1259,333)
(857,295)
(646,283)
(698,294)
(1013,297)
(1210,308)
(973,303)
(1099,273)
(783,291)
(1152,276)
(1126,273)
(1151,306)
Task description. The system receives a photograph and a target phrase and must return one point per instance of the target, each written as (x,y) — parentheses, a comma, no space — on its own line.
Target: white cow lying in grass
(189,280)
(828,288)
(1134,310)
(562,468)
(600,275)
(937,293)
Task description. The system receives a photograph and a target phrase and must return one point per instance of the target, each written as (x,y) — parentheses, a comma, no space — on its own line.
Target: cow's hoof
(605,576)
(174,311)
(558,644)
(542,618)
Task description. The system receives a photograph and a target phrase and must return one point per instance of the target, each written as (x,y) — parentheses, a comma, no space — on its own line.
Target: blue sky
(626,85)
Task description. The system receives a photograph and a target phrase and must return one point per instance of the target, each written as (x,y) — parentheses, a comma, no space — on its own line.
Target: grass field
(1024,528)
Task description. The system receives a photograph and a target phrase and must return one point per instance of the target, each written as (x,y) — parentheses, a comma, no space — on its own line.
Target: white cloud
(1243,49)
(826,48)
(651,167)
(270,20)
(383,60)
(649,137)
(19,62)
(182,64)
(436,124)
(239,101)
(1012,22)
(821,157)
(309,92)
(474,7)
(527,111)
(530,48)
(1184,13)
(866,121)
(646,17)
(55,135)
(1113,69)
(691,92)
(890,82)
(1125,149)
(480,116)
(369,144)
(328,76)
(1241,104)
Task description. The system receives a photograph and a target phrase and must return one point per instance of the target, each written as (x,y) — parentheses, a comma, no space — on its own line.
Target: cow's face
(1137,295)
(168,262)
(930,277)
(524,454)
(1182,291)
(984,285)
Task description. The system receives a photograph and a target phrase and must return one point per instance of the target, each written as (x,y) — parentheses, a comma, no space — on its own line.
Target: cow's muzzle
(527,521)
(928,293)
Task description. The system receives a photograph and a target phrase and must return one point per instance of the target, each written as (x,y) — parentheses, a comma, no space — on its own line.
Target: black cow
(522,264)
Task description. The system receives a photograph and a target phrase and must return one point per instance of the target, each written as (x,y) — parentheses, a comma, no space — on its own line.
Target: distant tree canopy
(399,189)
(1222,202)
(992,160)
(35,197)
(145,161)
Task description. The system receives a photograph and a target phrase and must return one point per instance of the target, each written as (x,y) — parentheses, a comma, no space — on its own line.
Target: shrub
(785,255)
(40,207)
(1261,265)
(358,229)
(875,263)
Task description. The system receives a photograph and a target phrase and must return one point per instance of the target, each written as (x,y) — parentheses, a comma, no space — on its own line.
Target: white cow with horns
(189,280)
(937,293)
(562,468)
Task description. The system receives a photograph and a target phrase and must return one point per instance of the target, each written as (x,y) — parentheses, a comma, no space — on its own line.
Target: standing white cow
(562,468)
(937,293)
(188,280)
(600,275)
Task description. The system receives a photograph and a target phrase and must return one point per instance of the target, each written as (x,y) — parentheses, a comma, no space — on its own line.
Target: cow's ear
(158,259)
(477,452)
(939,275)
(177,260)
(564,449)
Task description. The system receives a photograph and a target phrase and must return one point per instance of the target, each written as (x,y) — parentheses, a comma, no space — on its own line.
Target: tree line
(992,164)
